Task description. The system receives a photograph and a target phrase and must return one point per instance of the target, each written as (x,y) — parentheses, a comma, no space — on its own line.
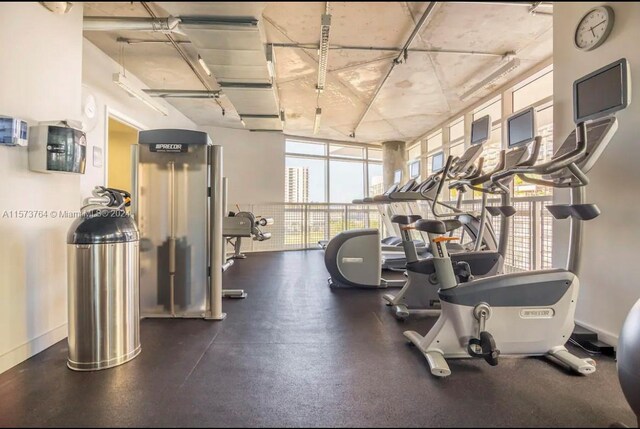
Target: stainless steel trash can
(103,277)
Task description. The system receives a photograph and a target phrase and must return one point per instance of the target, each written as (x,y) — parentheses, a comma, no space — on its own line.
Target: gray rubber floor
(295,353)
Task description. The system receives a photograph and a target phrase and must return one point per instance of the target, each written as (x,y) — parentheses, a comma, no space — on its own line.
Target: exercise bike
(420,293)
(531,313)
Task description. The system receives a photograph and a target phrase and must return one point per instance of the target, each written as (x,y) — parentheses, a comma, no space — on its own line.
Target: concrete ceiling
(419,94)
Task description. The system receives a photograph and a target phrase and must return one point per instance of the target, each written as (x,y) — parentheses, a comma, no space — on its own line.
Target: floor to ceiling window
(317,172)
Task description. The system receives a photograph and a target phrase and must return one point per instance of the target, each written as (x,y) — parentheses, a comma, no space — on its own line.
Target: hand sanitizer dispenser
(57,149)
(13,132)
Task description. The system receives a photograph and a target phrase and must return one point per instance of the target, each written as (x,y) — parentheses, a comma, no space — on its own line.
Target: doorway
(120,137)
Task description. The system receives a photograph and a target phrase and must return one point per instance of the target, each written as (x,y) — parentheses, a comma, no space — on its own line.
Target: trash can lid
(103,226)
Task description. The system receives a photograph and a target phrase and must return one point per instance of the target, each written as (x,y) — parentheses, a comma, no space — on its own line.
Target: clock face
(594,28)
(90,106)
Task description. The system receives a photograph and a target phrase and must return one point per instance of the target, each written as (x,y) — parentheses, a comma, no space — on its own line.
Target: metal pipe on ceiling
(402,57)
(182,93)
(140,41)
(161,25)
(509,3)
(314,47)
(115,23)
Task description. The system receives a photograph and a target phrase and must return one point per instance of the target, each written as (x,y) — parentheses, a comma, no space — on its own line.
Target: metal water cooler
(104,315)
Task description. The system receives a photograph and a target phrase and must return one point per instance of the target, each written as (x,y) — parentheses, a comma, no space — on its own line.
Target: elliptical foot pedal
(234,293)
(401,312)
(388,298)
(488,350)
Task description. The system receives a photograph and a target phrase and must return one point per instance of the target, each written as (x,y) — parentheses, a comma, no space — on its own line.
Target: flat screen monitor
(397,177)
(414,169)
(480,130)
(521,127)
(437,162)
(602,92)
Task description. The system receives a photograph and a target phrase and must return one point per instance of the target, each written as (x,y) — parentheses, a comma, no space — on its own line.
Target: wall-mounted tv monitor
(414,169)
(521,127)
(481,130)
(437,162)
(397,177)
(602,92)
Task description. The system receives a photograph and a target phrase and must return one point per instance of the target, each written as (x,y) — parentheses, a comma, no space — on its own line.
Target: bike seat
(438,226)
(405,219)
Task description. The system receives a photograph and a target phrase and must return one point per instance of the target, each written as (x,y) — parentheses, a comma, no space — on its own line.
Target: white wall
(39,81)
(253,163)
(44,65)
(609,286)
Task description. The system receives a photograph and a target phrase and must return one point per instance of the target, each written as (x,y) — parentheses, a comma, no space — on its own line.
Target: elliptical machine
(532,313)
(355,258)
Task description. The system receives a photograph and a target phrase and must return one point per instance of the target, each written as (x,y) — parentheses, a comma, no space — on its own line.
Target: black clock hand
(599,24)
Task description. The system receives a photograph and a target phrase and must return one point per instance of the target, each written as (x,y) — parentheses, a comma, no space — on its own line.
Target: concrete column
(394,157)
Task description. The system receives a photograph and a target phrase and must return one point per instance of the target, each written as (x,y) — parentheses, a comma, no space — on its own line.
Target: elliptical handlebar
(555,164)
(444,174)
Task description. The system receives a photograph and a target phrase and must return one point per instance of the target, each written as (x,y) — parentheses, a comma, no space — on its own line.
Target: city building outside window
(317,172)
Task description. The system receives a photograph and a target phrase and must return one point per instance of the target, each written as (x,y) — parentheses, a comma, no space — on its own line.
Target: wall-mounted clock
(89,110)
(594,28)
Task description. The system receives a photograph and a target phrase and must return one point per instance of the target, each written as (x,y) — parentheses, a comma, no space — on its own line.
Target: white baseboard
(30,348)
(606,337)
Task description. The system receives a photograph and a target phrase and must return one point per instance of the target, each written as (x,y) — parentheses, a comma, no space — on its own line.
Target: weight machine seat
(405,219)
(437,226)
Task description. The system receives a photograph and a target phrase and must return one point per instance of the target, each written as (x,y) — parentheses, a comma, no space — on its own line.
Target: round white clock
(594,28)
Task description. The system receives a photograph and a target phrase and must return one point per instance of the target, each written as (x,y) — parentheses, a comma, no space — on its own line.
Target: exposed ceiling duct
(252,99)
(231,41)
(237,55)
(454,51)
(232,48)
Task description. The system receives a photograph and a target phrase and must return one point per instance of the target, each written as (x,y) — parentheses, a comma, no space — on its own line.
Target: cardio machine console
(599,134)
(523,144)
(480,133)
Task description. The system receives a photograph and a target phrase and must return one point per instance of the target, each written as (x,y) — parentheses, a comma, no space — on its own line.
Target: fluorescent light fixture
(499,73)
(204,66)
(123,82)
(323,51)
(316,124)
